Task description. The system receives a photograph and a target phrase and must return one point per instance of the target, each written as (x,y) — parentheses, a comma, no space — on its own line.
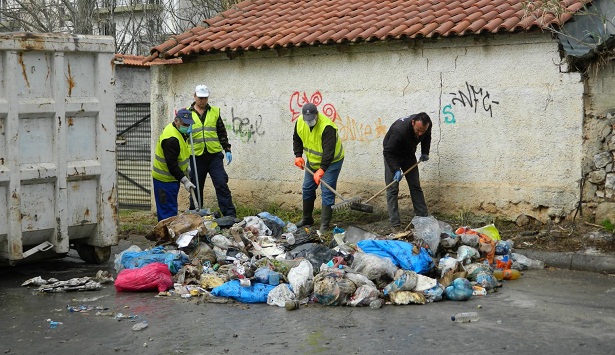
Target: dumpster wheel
(93,255)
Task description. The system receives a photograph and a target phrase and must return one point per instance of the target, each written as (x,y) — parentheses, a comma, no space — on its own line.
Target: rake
(364,207)
(352,203)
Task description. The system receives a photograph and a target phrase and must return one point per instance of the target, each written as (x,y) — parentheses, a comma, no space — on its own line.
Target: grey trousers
(416,194)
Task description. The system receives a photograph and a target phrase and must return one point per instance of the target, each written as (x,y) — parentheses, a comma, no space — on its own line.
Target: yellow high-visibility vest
(312,140)
(205,134)
(160,170)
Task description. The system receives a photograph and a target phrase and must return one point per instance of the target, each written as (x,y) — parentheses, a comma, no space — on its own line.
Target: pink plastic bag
(154,276)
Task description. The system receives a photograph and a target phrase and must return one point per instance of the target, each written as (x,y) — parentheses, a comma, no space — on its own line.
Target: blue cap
(185,115)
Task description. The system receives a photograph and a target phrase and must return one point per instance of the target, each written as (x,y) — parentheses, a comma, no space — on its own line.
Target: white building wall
(513,146)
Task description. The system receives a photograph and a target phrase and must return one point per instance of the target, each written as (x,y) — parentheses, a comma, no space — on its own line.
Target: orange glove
(299,162)
(318,175)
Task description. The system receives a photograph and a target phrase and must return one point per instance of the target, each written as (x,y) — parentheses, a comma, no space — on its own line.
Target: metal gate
(133,155)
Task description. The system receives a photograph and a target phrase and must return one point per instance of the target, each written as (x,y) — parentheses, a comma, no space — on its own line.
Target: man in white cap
(211,146)
(317,136)
(170,166)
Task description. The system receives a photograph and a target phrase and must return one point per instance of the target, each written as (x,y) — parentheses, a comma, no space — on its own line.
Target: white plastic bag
(301,279)
(279,295)
(428,229)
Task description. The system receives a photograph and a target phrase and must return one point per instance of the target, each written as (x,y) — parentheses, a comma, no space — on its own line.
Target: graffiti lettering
(245,129)
(472,98)
(297,100)
(351,130)
(449,116)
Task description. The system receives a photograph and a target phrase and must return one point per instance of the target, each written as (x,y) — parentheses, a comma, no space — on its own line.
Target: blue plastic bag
(257,293)
(269,216)
(137,259)
(400,253)
(459,290)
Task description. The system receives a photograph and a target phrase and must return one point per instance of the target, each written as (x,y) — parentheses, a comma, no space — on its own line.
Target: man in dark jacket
(400,143)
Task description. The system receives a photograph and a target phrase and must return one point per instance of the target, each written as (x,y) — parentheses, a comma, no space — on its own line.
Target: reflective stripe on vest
(312,140)
(160,170)
(206,134)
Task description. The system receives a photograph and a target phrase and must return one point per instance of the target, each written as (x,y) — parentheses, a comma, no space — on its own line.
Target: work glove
(300,163)
(229,158)
(187,184)
(397,176)
(318,175)
(424,157)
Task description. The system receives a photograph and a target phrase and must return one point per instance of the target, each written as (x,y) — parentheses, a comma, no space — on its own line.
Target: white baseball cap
(201,91)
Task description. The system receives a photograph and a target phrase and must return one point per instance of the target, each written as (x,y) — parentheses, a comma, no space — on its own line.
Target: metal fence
(133,155)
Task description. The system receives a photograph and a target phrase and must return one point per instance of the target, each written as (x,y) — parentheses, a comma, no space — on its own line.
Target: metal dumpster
(57,147)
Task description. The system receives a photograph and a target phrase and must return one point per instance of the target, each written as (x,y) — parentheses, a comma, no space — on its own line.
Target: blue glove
(424,157)
(397,176)
(229,158)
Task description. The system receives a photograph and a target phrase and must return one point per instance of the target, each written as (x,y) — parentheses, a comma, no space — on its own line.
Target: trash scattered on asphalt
(262,259)
(53,285)
(140,326)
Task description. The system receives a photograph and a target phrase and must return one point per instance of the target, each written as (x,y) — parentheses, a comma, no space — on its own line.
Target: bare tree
(136,25)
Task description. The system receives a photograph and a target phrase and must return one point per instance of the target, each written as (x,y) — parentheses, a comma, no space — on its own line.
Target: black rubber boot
(325,218)
(308,209)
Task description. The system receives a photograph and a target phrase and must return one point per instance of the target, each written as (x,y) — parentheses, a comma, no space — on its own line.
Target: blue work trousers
(213,164)
(165,194)
(330,177)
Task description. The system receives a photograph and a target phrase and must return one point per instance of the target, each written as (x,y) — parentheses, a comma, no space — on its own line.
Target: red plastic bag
(154,276)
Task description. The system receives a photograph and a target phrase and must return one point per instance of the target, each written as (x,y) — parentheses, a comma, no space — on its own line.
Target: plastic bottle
(506,274)
(465,317)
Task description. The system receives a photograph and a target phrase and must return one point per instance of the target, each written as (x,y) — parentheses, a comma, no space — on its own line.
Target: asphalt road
(549,311)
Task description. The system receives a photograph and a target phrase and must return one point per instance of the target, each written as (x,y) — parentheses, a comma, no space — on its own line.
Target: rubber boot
(308,209)
(325,218)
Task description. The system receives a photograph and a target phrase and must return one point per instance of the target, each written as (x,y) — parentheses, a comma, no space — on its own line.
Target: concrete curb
(601,263)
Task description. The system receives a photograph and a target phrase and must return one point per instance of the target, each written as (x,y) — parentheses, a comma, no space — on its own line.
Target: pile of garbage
(261,259)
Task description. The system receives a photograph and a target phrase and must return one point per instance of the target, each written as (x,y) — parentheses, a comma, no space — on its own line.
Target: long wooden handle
(392,182)
(194,200)
(327,185)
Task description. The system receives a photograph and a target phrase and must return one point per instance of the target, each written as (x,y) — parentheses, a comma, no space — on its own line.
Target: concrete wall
(507,133)
(132,84)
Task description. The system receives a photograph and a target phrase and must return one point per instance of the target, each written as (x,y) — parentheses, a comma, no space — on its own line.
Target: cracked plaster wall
(508,121)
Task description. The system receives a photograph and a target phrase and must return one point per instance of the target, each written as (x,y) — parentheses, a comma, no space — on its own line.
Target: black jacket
(400,144)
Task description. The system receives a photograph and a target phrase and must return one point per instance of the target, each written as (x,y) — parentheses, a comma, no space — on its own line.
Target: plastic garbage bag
(316,254)
(279,295)
(466,254)
(470,240)
(301,279)
(174,259)
(331,288)
(117,263)
(364,295)
(522,262)
(373,266)
(256,293)
(358,279)
(487,280)
(434,294)
(258,223)
(271,217)
(459,290)
(491,231)
(405,280)
(403,254)
(427,229)
(267,276)
(153,276)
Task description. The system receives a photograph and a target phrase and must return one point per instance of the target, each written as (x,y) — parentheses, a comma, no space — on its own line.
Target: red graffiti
(297,100)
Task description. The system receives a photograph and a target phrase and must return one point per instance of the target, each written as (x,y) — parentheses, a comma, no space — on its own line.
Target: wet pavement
(550,311)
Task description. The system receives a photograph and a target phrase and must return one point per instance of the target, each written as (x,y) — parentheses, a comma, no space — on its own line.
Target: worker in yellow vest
(211,146)
(171,164)
(317,136)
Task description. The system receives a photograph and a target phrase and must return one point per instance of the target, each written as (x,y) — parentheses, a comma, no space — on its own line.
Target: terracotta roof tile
(266,24)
